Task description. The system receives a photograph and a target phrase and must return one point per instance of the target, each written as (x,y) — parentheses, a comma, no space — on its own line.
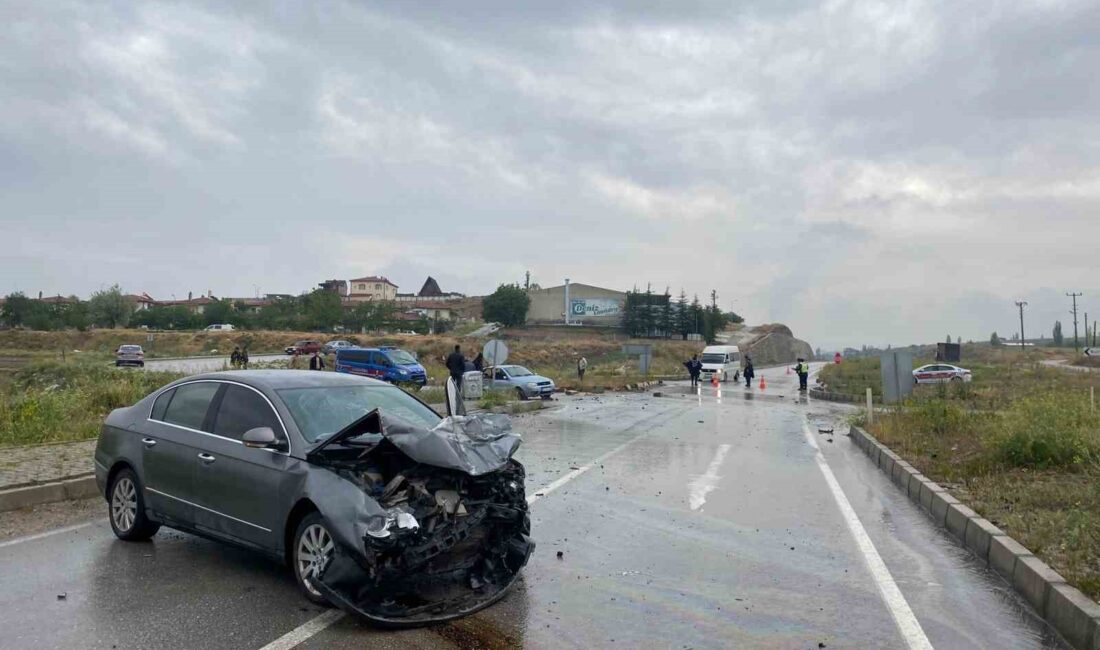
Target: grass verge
(54,402)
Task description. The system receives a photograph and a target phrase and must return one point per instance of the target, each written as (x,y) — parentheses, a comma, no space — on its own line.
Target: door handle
(149,443)
(207,458)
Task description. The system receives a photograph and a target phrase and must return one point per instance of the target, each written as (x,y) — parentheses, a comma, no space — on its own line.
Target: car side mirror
(262,438)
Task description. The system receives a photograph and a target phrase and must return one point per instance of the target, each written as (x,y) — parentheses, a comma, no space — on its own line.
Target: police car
(935,373)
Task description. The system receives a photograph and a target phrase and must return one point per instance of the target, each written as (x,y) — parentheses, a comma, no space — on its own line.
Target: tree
(994,340)
(683,316)
(647,320)
(321,309)
(18,309)
(696,315)
(1058,333)
(734,317)
(219,311)
(108,308)
(507,305)
(668,323)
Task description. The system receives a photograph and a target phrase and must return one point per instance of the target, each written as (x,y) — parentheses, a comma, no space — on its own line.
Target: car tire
(956,379)
(522,395)
(312,532)
(141,364)
(126,508)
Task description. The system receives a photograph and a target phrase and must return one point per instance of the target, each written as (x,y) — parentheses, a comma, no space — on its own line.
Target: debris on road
(560,555)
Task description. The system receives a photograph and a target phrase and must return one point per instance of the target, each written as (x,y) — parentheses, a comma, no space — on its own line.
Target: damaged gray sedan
(378,504)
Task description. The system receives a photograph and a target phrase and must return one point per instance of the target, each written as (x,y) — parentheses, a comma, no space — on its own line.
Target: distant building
(371,288)
(193,305)
(339,287)
(248,305)
(430,292)
(586,305)
(139,302)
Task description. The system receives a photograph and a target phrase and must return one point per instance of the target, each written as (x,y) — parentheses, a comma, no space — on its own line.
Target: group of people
(695,368)
(316,361)
(239,358)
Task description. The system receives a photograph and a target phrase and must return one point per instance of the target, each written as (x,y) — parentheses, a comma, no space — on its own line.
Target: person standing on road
(235,358)
(582,365)
(694,367)
(316,362)
(456,365)
(803,370)
(295,361)
(479,362)
(244,358)
(749,373)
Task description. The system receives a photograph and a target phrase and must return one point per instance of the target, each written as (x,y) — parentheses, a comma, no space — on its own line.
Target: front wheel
(128,519)
(313,550)
(522,395)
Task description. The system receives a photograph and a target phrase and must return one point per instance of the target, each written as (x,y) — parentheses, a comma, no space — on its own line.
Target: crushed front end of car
(442,528)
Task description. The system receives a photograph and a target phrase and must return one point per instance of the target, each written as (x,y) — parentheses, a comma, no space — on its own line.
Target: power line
(1021,304)
(1076,347)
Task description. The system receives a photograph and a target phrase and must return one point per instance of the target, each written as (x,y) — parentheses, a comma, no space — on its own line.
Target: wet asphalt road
(196,365)
(685,523)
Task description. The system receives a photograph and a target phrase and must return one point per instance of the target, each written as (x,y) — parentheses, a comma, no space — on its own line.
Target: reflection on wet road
(682,522)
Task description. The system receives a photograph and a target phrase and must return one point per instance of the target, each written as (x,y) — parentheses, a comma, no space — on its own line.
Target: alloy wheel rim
(124,504)
(314,552)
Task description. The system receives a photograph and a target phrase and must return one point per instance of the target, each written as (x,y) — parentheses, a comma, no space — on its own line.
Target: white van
(220,327)
(722,359)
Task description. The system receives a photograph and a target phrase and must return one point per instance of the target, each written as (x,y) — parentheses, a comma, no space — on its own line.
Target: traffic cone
(763,384)
(714,380)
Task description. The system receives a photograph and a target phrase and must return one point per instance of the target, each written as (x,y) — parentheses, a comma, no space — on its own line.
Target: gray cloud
(868,172)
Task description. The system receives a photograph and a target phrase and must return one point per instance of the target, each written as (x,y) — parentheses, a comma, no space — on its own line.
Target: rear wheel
(313,550)
(127,504)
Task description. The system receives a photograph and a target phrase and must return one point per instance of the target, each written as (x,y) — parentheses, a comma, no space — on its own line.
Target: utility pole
(1074,312)
(714,300)
(527,281)
(1021,304)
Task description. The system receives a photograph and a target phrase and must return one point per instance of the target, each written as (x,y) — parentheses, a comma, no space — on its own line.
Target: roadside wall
(548,305)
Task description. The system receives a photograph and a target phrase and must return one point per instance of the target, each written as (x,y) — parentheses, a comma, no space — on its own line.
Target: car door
(170,445)
(237,487)
(501,378)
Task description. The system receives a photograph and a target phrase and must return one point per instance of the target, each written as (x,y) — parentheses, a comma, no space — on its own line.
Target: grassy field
(1021,445)
(55,402)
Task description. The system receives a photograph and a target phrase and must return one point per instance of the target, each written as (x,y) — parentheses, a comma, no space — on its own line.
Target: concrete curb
(828,396)
(80,487)
(1071,613)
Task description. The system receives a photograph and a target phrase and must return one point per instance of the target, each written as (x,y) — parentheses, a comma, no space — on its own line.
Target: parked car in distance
(390,364)
(130,355)
(935,373)
(333,346)
(303,347)
(220,327)
(526,383)
(344,478)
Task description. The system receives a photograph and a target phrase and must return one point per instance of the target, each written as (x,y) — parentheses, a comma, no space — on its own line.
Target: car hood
(474,445)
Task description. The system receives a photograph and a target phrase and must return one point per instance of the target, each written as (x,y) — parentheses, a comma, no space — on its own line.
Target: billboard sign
(592,307)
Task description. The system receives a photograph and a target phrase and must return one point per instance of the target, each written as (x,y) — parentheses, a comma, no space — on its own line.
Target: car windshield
(322,411)
(518,371)
(400,356)
(130,348)
(713,357)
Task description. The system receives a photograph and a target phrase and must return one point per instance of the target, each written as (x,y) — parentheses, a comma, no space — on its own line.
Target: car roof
(280,379)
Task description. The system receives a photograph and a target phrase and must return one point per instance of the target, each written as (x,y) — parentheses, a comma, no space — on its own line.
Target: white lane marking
(540,493)
(907,622)
(305,631)
(703,485)
(308,629)
(58,531)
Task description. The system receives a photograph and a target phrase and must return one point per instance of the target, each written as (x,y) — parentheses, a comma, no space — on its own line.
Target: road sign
(495,352)
(1090,352)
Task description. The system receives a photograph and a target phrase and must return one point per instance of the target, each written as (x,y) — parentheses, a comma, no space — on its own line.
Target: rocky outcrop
(769,344)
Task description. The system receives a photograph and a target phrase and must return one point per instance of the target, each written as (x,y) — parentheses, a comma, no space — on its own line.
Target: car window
(190,403)
(519,371)
(353,356)
(322,411)
(161,404)
(242,409)
(500,374)
(402,357)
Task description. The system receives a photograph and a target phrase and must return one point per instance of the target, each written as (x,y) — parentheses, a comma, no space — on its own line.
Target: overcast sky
(866,172)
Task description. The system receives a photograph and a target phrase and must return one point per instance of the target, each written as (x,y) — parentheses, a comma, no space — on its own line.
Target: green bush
(1050,430)
(939,416)
(496,397)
